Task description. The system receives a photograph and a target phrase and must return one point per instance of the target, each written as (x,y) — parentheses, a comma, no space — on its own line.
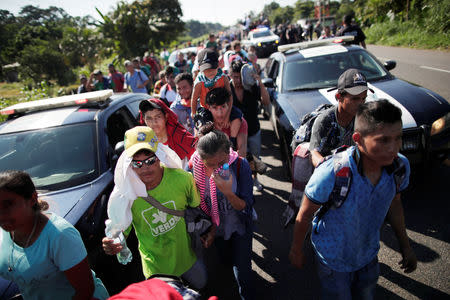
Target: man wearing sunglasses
(164,243)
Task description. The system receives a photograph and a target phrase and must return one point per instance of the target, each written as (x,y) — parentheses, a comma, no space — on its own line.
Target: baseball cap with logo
(138,138)
(353,82)
(207,59)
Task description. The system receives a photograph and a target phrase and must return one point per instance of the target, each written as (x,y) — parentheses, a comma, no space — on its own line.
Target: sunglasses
(137,164)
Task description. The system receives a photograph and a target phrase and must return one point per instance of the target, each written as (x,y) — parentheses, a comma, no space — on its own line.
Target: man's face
(170,80)
(184,89)
(219,112)
(381,146)
(236,76)
(130,67)
(147,173)
(350,103)
(136,64)
(180,57)
(156,120)
(111,69)
(99,77)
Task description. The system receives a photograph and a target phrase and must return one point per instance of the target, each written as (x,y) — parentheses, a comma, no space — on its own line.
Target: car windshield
(324,71)
(55,158)
(261,34)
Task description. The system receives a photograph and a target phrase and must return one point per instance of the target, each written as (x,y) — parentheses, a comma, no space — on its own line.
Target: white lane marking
(435,69)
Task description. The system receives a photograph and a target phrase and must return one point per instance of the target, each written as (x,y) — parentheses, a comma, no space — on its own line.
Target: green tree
(304,9)
(282,15)
(142,25)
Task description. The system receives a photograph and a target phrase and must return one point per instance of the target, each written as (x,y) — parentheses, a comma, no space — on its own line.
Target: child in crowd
(41,252)
(346,239)
(212,77)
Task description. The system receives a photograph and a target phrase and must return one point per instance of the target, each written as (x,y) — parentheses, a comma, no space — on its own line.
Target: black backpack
(303,133)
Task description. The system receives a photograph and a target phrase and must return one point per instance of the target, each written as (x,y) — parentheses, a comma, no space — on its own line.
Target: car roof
(298,54)
(59,116)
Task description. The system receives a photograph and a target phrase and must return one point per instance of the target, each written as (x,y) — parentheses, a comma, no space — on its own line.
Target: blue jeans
(359,284)
(254,144)
(238,250)
(196,276)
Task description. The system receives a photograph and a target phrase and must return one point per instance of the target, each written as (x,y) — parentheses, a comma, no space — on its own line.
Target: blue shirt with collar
(348,238)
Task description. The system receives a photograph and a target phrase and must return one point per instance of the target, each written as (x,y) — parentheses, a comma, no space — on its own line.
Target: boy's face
(381,146)
(350,103)
(156,120)
(184,89)
(219,112)
(210,73)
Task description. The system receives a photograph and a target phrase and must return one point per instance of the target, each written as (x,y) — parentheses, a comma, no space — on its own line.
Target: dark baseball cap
(207,59)
(353,82)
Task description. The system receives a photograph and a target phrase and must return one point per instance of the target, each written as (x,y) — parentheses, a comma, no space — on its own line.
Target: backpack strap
(342,183)
(399,172)
(152,201)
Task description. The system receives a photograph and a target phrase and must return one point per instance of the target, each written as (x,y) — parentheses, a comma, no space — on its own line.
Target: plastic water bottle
(225,172)
(124,256)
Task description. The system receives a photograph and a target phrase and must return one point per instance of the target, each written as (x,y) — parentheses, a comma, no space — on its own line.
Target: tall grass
(406,34)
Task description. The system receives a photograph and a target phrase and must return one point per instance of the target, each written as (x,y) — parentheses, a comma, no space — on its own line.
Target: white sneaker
(257,186)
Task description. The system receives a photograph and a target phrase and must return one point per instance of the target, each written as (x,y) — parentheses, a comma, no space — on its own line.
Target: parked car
(300,76)
(69,145)
(264,40)
(173,57)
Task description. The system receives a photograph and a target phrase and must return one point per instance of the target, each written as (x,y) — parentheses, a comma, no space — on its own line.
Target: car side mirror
(118,149)
(390,64)
(268,82)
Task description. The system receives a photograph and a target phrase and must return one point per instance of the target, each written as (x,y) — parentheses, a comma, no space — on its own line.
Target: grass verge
(406,34)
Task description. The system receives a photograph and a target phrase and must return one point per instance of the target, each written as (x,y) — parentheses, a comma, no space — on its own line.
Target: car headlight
(259,44)
(276,42)
(440,124)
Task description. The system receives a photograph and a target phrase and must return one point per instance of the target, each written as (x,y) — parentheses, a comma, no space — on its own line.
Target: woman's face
(215,161)
(156,120)
(14,210)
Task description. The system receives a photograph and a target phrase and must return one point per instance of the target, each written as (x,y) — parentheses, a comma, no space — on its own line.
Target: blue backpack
(343,181)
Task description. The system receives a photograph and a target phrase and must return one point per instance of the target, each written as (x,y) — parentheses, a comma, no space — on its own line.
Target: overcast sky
(226,12)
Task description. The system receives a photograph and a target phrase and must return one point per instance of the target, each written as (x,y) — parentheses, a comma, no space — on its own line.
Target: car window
(134,108)
(323,71)
(261,34)
(119,122)
(55,158)
(273,72)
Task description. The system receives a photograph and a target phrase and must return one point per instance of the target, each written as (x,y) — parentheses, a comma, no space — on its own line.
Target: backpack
(303,133)
(343,180)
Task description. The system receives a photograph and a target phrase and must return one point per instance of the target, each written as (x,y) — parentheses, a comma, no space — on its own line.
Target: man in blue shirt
(346,239)
(135,79)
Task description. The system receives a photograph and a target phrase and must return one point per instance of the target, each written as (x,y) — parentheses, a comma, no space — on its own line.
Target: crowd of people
(197,149)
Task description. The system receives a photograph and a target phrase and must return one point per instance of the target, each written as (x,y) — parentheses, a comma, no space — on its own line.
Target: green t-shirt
(164,243)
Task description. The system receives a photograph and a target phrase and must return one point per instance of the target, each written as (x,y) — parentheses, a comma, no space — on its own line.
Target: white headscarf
(128,186)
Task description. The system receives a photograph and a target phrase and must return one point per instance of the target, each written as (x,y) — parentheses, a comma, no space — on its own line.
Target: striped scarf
(200,176)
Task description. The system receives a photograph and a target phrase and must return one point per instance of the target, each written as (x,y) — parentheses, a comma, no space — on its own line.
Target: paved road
(428,68)
(426,211)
